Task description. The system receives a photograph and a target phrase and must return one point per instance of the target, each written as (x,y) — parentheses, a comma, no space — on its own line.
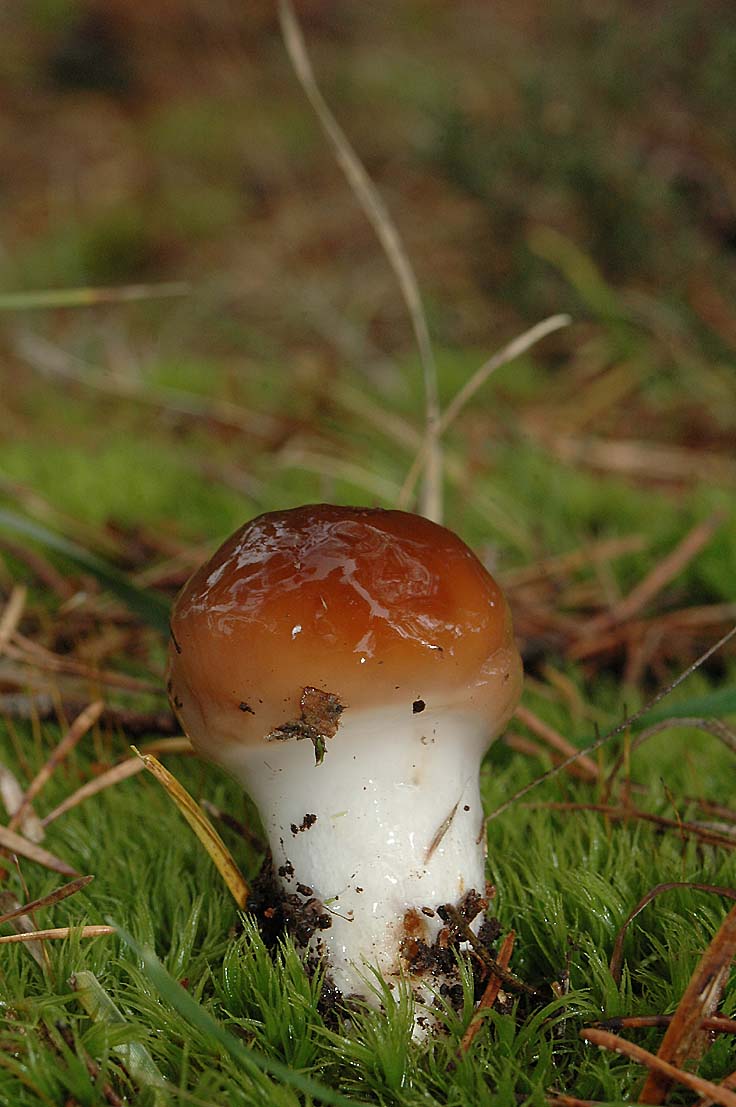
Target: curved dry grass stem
(378,215)
(219,853)
(513,349)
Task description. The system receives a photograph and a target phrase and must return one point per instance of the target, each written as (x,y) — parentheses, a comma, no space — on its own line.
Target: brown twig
(233,824)
(550,568)
(530,748)
(562,1100)
(463,927)
(717,1023)
(490,995)
(699,1001)
(25,650)
(43,705)
(41,568)
(615,1044)
(660,576)
(728,814)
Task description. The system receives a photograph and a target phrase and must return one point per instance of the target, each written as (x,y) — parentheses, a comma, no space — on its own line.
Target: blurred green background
(537,157)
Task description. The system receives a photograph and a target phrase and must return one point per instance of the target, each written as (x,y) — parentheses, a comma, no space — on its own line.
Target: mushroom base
(385,830)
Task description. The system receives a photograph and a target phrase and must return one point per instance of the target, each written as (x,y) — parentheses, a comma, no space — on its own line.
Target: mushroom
(350,666)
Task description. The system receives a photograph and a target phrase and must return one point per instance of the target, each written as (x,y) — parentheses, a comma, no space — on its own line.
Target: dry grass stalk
(513,349)
(490,995)
(202,827)
(375,210)
(50,360)
(683,1040)
(312,461)
(57,932)
(83,722)
(407,437)
(647,460)
(89,295)
(618,946)
(612,1042)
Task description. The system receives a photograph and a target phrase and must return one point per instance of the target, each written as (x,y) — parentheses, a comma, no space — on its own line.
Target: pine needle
(57,932)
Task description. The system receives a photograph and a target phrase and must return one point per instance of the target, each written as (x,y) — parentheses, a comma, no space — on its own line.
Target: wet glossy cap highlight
(366,606)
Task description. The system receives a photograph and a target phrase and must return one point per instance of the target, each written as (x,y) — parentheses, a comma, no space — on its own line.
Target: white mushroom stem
(390,823)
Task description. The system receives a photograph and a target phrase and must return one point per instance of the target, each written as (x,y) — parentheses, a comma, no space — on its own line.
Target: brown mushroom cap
(373,607)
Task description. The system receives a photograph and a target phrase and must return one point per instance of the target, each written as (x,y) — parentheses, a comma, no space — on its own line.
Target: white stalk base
(388,825)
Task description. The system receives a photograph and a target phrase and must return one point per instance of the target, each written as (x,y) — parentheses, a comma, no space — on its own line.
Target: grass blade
(716,704)
(87,297)
(136,1058)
